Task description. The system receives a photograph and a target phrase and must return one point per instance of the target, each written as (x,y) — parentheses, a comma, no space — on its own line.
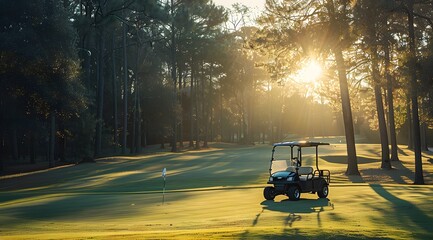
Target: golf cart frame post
(297,179)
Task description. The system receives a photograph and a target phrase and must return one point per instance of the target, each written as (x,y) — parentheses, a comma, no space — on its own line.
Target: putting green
(213,194)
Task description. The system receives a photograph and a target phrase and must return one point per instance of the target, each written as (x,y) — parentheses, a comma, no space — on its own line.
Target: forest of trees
(87,78)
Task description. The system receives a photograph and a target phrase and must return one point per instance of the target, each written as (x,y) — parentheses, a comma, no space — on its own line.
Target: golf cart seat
(305,173)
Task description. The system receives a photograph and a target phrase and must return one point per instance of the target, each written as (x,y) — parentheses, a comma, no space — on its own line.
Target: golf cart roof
(300,144)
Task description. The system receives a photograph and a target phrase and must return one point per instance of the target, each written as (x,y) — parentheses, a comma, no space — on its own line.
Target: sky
(255,4)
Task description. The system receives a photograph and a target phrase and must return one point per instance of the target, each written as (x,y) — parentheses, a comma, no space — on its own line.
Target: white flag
(164,172)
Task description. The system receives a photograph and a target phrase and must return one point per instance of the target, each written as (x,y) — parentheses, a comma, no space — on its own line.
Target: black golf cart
(291,178)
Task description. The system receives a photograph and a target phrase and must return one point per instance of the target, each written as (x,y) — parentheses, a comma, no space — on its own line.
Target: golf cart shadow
(304,206)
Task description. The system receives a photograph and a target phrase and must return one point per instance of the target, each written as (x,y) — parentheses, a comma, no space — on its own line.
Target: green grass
(215,194)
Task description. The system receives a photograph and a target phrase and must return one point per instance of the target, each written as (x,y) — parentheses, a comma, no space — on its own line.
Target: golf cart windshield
(282,160)
(279,165)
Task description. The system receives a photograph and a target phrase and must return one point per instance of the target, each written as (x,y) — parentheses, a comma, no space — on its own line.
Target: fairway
(214,194)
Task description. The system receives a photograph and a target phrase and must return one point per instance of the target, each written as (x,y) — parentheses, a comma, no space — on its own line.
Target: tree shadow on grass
(398,174)
(343,159)
(123,174)
(89,207)
(404,213)
(401,152)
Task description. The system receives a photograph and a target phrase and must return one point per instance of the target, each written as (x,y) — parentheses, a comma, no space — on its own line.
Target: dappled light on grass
(34,172)
(105,179)
(214,195)
(187,157)
(113,159)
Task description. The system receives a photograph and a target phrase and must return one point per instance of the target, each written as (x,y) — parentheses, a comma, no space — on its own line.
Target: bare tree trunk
(14,144)
(207,108)
(221,115)
(409,123)
(52,142)
(191,109)
(125,92)
(134,123)
(32,147)
(135,109)
(271,122)
(138,143)
(115,113)
(352,161)
(173,77)
(419,178)
(251,104)
(100,94)
(202,121)
(180,132)
(210,107)
(197,118)
(386,164)
(391,120)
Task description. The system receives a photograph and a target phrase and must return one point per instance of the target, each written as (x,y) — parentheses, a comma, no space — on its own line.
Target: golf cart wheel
(323,192)
(269,193)
(294,193)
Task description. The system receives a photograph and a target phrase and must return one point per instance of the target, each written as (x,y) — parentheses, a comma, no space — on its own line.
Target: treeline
(87,78)
(82,79)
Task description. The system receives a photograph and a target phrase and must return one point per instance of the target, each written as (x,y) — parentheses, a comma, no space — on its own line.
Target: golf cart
(290,177)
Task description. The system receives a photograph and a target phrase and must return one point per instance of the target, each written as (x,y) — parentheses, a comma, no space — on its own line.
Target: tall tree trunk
(134,124)
(173,77)
(251,104)
(100,93)
(191,109)
(125,92)
(203,105)
(386,164)
(138,141)
(221,115)
(271,119)
(115,113)
(32,147)
(419,178)
(210,107)
(135,109)
(180,137)
(52,141)
(352,161)
(409,122)
(197,117)
(207,107)
(391,118)
(14,139)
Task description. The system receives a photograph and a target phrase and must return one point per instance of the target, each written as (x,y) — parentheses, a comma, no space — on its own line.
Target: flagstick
(163,192)
(164,173)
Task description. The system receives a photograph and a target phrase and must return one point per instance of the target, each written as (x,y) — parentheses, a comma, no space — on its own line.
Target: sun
(310,73)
